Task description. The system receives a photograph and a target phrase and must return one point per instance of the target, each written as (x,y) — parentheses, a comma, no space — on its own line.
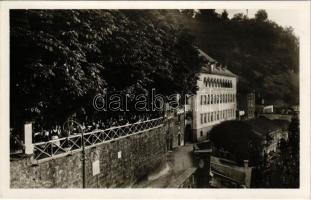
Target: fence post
(28,138)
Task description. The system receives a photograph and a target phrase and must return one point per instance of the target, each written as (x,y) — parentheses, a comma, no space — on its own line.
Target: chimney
(212,67)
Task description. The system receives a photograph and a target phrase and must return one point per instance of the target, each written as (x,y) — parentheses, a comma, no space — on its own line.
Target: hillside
(263,54)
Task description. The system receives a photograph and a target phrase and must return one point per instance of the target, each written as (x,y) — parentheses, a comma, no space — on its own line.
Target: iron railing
(63,146)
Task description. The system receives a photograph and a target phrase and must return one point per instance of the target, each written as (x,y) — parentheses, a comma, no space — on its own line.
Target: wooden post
(28,138)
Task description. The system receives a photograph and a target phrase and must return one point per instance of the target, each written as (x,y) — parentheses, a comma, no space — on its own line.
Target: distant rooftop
(213,67)
(262,125)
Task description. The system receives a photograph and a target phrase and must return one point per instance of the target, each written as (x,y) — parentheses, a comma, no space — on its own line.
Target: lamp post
(70,124)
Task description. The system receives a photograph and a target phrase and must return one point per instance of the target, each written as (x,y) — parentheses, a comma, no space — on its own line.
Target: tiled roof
(262,125)
(216,70)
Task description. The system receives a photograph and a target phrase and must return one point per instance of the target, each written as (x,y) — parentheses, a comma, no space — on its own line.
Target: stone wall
(187,179)
(122,163)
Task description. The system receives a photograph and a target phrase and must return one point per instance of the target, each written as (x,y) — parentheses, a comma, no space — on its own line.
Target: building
(176,125)
(263,108)
(227,173)
(270,132)
(246,105)
(215,100)
(175,132)
(284,125)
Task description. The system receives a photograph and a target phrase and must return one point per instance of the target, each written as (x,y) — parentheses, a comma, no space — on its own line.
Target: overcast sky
(281,17)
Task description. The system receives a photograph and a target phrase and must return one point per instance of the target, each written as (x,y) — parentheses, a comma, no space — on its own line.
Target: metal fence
(62,146)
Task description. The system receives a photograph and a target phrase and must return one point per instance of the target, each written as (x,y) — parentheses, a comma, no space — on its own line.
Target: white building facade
(215,100)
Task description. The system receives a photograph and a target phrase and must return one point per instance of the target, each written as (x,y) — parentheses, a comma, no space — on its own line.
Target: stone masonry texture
(140,154)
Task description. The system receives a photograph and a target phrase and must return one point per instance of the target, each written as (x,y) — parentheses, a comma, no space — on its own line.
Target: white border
(303,7)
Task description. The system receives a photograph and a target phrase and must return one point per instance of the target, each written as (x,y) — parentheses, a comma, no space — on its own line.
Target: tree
(261,15)
(238,17)
(208,15)
(224,15)
(257,51)
(293,135)
(60,59)
(238,138)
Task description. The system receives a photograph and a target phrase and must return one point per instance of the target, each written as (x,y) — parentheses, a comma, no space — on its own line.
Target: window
(217,115)
(223,114)
(204,117)
(201,99)
(201,118)
(220,100)
(208,117)
(208,99)
(212,100)
(215,99)
(204,99)
(201,133)
(212,119)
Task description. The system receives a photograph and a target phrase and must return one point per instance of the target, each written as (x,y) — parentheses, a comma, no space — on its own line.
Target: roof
(223,71)
(262,125)
(231,171)
(281,123)
(207,57)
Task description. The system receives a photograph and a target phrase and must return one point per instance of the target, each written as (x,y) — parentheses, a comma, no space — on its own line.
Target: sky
(281,17)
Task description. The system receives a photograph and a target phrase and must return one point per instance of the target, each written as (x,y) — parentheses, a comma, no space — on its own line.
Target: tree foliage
(60,59)
(263,54)
(238,138)
(261,15)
